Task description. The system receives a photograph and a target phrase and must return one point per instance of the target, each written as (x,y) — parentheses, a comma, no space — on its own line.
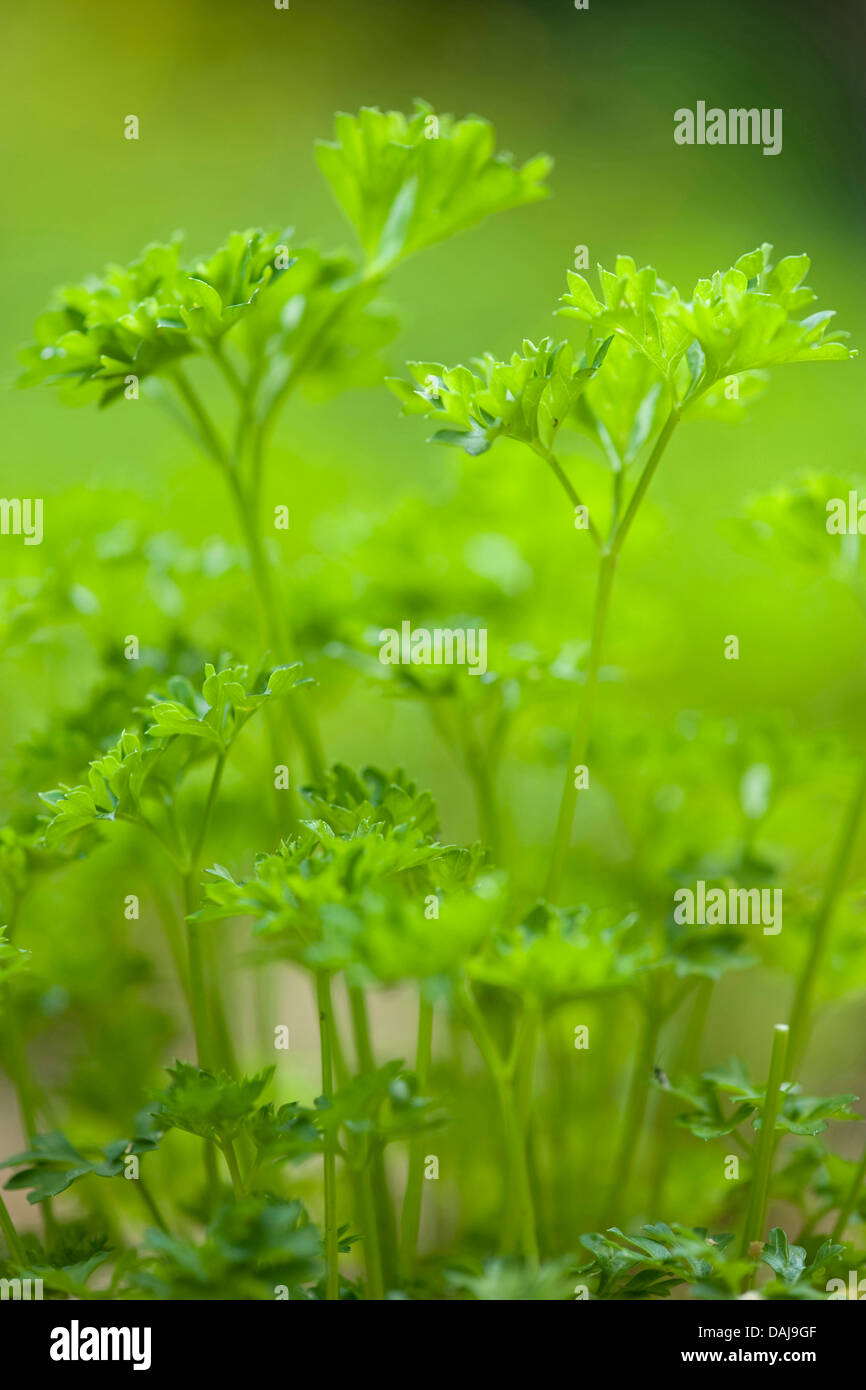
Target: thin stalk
(479,766)
(228,1151)
(687,1060)
(369,1233)
(850,1201)
(635,1109)
(586,703)
(212,1180)
(198,996)
(411,1214)
(801,1010)
(150,1202)
(521,1069)
(207,433)
(272,617)
(7,1226)
(209,1020)
(326,1033)
(583,722)
(646,477)
(520,1193)
(275,625)
(753,1230)
(385,1219)
(359,1170)
(570,491)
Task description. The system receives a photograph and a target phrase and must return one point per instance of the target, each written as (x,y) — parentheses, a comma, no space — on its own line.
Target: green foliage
(791,1264)
(731,1084)
(558,954)
(407,182)
(383,1104)
(351,890)
(737,322)
(148,766)
(656,1262)
(509,1281)
(213,1107)
(355,881)
(52,1163)
(664,1258)
(527,398)
(13,959)
(250,1249)
(142,319)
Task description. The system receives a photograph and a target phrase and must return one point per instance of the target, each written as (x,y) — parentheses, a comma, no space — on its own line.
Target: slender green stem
(481,773)
(7,1226)
(231,1159)
(519,1187)
(212,1034)
(753,1229)
(227,368)
(687,1060)
(635,1109)
(646,477)
(198,995)
(204,824)
(411,1214)
(212,1179)
(850,1201)
(245,504)
(586,702)
(369,1233)
(207,432)
(150,1202)
(360,1155)
(801,1010)
(326,1033)
(580,736)
(275,625)
(524,1069)
(520,1070)
(570,491)
(385,1218)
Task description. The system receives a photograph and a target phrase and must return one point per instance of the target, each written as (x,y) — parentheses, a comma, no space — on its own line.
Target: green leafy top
(357,886)
(52,1163)
(710,1117)
(555,954)
(738,321)
(406,182)
(249,1248)
(142,318)
(527,398)
(661,1258)
(188,725)
(213,1107)
(349,801)
(514,1281)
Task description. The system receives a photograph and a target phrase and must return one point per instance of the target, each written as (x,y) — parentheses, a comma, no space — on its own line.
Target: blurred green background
(230,98)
